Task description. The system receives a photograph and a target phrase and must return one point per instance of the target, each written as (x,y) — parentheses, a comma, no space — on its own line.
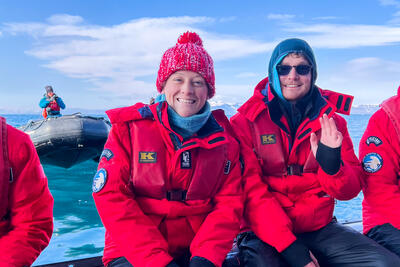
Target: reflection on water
(78,231)
(71,189)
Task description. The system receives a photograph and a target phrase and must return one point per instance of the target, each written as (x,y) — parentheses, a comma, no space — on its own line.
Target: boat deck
(96,261)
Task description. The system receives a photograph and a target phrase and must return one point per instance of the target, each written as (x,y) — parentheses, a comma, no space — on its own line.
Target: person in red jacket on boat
(51,103)
(26,205)
(168,185)
(380,154)
(299,158)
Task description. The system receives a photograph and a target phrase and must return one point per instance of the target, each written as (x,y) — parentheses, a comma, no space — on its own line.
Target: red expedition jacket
(286,190)
(163,195)
(26,207)
(380,154)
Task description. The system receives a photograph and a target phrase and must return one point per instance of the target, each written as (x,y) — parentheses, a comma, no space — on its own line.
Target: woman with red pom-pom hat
(168,185)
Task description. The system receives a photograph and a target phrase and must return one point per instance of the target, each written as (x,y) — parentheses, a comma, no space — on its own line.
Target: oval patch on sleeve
(99,180)
(372,162)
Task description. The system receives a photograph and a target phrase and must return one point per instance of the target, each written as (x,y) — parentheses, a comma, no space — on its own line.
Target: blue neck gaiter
(187,126)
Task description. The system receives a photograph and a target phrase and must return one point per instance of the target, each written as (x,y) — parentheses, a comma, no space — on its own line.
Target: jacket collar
(210,135)
(263,98)
(257,103)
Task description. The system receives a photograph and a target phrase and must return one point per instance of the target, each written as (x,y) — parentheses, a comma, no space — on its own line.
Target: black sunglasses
(300,69)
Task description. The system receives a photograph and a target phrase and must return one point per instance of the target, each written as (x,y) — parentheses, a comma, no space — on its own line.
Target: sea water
(78,231)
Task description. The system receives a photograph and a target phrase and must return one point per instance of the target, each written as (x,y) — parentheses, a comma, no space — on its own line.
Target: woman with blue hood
(298,159)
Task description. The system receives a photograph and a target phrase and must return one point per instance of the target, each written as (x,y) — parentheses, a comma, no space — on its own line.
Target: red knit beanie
(187,54)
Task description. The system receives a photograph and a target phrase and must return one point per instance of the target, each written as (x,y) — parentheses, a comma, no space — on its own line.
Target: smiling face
(186,92)
(293,85)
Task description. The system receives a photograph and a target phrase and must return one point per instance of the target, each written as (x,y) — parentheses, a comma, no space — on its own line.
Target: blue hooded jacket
(311,102)
(285,47)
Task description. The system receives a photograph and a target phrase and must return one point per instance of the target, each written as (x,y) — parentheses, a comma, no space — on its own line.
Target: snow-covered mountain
(230,109)
(364,109)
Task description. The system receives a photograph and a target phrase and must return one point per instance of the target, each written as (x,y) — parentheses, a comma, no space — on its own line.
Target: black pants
(333,245)
(386,235)
(123,262)
(230,261)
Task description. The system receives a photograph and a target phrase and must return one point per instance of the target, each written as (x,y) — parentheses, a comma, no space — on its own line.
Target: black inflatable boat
(68,140)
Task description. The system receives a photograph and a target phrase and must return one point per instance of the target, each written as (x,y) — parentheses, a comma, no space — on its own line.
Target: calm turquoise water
(78,232)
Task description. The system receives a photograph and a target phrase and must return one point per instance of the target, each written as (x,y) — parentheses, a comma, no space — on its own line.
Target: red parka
(26,207)
(380,154)
(286,190)
(164,195)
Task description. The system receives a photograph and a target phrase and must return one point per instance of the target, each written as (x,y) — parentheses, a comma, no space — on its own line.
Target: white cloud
(346,36)
(118,58)
(126,89)
(366,66)
(396,18)
(326,18)
(390,3)
(370,79)
(280,16)
(396,15)
(33,29)
(64,19)
(122,59)
(222,47)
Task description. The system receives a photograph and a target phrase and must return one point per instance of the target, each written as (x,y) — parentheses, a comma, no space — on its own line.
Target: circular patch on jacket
(372,162)
(99,180)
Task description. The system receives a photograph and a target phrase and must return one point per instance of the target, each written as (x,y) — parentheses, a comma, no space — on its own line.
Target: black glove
(172,264)
(329,158)
(200,262)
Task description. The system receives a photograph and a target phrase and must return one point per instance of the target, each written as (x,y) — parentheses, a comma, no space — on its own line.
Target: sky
(103,54)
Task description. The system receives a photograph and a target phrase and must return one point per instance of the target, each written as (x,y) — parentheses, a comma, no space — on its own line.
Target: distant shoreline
(230,110)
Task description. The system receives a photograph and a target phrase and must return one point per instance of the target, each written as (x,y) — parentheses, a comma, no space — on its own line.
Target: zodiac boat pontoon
(68,140)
